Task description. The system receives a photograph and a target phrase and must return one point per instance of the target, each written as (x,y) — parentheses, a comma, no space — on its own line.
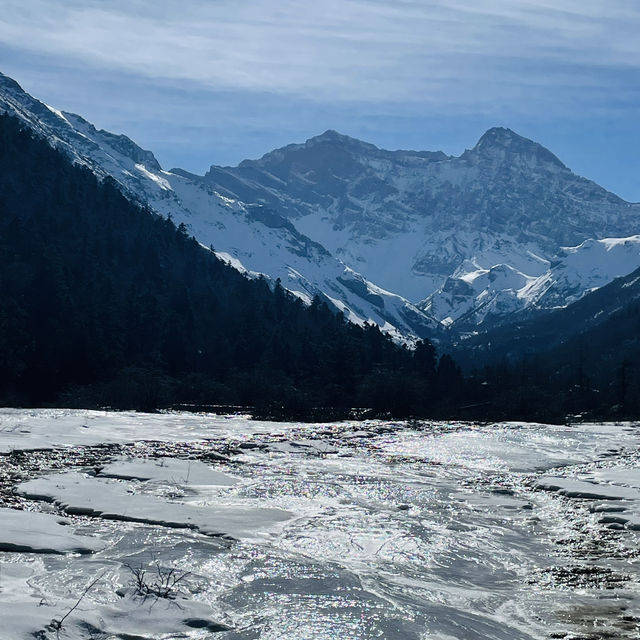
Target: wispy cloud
(445,51)
(202,81)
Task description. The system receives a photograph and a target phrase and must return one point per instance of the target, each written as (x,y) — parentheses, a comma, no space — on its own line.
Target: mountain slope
(105,303)
(254,239)
(582,360)
(503,293)
(422,223)
(603,312)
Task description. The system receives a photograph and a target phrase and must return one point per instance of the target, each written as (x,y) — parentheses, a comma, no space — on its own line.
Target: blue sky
(215,81)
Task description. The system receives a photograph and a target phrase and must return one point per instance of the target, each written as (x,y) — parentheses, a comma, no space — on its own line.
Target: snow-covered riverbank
(351,530)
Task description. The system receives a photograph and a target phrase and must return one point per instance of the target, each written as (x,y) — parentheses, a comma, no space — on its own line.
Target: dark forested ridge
(104,303)
(582,359)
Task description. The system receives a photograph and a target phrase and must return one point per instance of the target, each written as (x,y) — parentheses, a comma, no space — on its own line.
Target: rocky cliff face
(465,237)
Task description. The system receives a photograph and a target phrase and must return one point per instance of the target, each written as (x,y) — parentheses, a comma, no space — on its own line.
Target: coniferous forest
(106,304)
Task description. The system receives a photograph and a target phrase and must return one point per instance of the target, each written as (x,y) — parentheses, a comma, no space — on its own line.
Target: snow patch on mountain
(584,268)
(473,296)
(464,237)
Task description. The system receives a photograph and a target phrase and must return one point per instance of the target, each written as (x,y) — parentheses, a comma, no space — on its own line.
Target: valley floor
(157,526)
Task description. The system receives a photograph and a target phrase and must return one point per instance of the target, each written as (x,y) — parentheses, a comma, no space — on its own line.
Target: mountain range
(253,238)
(504,227)
(417,242)
(104,303)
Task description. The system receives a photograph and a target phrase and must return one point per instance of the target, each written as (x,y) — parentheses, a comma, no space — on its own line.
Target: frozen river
(352,530)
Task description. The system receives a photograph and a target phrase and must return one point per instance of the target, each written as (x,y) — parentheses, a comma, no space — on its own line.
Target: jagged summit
(327,145)
(337,140)
(9,83)
(501,136)
(496,144)
(331,135)
(506,143)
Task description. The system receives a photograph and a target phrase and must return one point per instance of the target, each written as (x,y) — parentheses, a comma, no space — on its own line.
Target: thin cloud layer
(409,50)
(216,81)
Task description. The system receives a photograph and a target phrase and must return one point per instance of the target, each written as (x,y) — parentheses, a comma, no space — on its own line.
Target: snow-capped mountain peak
(506,145)
(418,222)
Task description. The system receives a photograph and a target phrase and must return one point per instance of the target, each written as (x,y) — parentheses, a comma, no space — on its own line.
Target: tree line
(104,303)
